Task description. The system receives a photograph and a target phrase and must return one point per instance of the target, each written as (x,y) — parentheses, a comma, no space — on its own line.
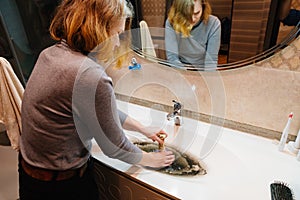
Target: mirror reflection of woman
(192,34)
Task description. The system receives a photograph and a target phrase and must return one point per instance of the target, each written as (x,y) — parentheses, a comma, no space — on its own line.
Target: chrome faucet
(176,114)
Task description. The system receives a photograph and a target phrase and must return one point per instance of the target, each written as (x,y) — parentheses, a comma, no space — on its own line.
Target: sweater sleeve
(98,116)
(122,116)
(213,44)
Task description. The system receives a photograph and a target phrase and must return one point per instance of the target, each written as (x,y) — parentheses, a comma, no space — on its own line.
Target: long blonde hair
(84,24)
(181,13)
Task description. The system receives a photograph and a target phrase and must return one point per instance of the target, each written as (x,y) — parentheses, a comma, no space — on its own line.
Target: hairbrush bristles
(281,191)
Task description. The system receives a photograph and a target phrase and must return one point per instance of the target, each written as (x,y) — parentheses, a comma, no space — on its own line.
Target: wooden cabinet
(116,185)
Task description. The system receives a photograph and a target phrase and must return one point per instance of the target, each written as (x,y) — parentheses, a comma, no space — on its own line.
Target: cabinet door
(116,185)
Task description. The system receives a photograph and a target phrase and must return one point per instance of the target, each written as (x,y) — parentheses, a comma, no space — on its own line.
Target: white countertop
(239,165)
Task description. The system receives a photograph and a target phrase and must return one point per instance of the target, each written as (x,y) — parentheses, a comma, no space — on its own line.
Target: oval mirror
(250,31)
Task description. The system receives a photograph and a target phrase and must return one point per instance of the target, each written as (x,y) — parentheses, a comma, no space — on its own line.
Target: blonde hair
(84,24)
(181,13)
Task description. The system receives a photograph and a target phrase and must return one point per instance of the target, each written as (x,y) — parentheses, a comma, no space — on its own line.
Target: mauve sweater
(68,101)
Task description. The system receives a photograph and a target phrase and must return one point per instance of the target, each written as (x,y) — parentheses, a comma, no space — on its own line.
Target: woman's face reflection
(197,12)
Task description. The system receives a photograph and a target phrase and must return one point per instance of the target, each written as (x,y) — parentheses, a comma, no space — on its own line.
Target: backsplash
(256,99)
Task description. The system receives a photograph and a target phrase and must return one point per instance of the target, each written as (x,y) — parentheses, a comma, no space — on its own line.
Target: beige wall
(260,95)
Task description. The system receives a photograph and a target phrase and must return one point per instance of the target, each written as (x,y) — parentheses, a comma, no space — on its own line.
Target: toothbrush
(297,142)
(285,133)
(294,146)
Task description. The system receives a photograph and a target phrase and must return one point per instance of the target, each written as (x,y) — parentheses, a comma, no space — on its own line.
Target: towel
(147,44)
(11,93)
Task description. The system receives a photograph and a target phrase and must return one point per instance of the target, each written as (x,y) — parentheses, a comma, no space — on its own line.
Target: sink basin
(184,164)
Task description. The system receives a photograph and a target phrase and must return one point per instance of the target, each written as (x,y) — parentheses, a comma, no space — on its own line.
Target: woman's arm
(150,132)
(157,159)
(96,116)
(213,44)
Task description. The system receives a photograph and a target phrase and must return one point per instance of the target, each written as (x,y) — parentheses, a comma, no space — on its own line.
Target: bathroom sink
(238,165)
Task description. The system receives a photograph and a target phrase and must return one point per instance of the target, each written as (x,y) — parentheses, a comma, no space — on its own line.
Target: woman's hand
(153,159)
(157,159)
(154,133)
(150,132)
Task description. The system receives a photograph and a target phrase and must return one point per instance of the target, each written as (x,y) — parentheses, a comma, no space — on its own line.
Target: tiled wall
(287,59)
(153,12)
(256,99)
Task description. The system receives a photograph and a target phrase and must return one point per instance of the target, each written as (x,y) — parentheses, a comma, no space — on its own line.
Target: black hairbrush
(281,191)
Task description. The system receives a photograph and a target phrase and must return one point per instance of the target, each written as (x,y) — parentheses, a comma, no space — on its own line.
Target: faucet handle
(177,106)
(176,113)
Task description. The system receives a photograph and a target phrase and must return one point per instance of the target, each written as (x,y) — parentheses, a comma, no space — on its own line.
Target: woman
(69,100)
(192,34)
